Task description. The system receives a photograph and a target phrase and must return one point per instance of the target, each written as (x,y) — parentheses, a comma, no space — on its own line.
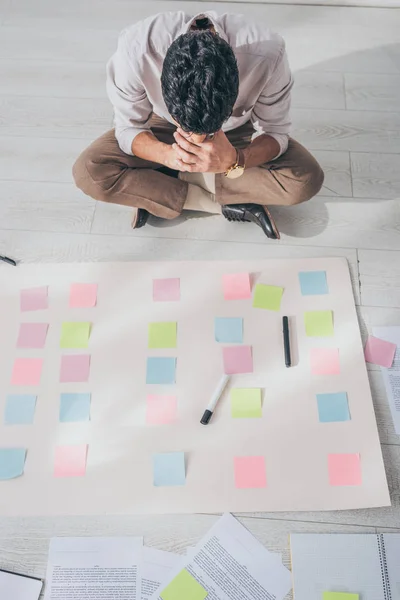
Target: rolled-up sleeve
(132,108)
(271,113)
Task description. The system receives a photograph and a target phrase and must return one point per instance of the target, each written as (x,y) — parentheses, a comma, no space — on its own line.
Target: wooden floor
(346,108)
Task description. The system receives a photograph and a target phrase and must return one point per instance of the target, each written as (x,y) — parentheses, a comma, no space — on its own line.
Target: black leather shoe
(140,219)
(256,214)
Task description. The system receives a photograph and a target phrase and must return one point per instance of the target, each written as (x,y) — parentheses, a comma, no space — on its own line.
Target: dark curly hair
(200,81)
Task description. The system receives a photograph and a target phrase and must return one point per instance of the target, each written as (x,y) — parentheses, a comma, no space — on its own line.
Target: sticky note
(379,352)
(70,461)
(236,286)
(333,407)
(83,295)
(268,297)
(339,596)
(184,587)
(75,335)
(246,403)
(237,359)
(313,283)
(325,361)
(166,290)
(27,371)
(319,323)
(34,299)
(75,368)
(169,469)
(32,335)
(162,335)
(74,408)
(229,330)
(250,472)
(20,409)
(344,469)
(12,462)
(161,410)
(160,369)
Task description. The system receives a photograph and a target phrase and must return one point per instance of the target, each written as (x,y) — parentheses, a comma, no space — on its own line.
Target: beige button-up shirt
(134,75)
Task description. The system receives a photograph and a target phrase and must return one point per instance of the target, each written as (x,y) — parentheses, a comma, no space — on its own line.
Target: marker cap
(205,419)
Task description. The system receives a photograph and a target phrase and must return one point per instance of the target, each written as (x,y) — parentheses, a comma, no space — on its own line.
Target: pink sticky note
(27,371)
(32,335)
(166,290)
(34,299)
(83,295)
(344,469)
(161,410)
(325,361)
(236,286)
(250,472)
(237,359)
(70,461)
(75,368)
(379,352)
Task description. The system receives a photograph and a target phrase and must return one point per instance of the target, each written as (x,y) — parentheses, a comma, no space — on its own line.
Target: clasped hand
(210,156)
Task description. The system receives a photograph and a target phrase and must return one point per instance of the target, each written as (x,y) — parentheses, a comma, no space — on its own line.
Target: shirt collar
(213,17)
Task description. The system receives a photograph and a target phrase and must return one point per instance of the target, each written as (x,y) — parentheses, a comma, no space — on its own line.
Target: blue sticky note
(160,370)
(333,407)
(12,462)
(313,283)
(229,330)
(20,409)
(74,408)
(169,469)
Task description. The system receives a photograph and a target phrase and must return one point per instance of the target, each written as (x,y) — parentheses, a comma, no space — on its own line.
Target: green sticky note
(339,596)
(75,335)
(184,587)
(246,403)
(162,335)
(268,297)
(319,323)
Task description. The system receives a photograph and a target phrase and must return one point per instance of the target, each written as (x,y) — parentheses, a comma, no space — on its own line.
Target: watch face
(235,173)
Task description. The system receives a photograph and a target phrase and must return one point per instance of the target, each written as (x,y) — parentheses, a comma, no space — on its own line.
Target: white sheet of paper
(91,567)
(391,377)
(119,472)
(17,587)
(230,549)
(157,566)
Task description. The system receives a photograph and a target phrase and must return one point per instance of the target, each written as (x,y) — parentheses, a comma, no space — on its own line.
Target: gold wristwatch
(237,169)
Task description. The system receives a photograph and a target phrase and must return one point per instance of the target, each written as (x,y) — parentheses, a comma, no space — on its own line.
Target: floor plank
(318,90)
(54,117)
(336,166)
(375,175)
(56,207)
(39,159)
(41,42)
(322,221)
(52,80)
(372,92)
(357,131)
(380,277)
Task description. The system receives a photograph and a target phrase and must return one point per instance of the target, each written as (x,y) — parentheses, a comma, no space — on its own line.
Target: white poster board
(119,475)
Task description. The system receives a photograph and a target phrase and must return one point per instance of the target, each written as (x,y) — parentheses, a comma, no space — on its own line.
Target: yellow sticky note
(184,587)
(268,297)
(339,596)
(162,335)
(75,335)
(319,323)
(246,403)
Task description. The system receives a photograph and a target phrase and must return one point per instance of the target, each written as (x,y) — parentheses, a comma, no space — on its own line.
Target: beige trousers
(104,172)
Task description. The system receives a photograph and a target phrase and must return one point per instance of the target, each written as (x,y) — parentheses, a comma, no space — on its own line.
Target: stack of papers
(228,563)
